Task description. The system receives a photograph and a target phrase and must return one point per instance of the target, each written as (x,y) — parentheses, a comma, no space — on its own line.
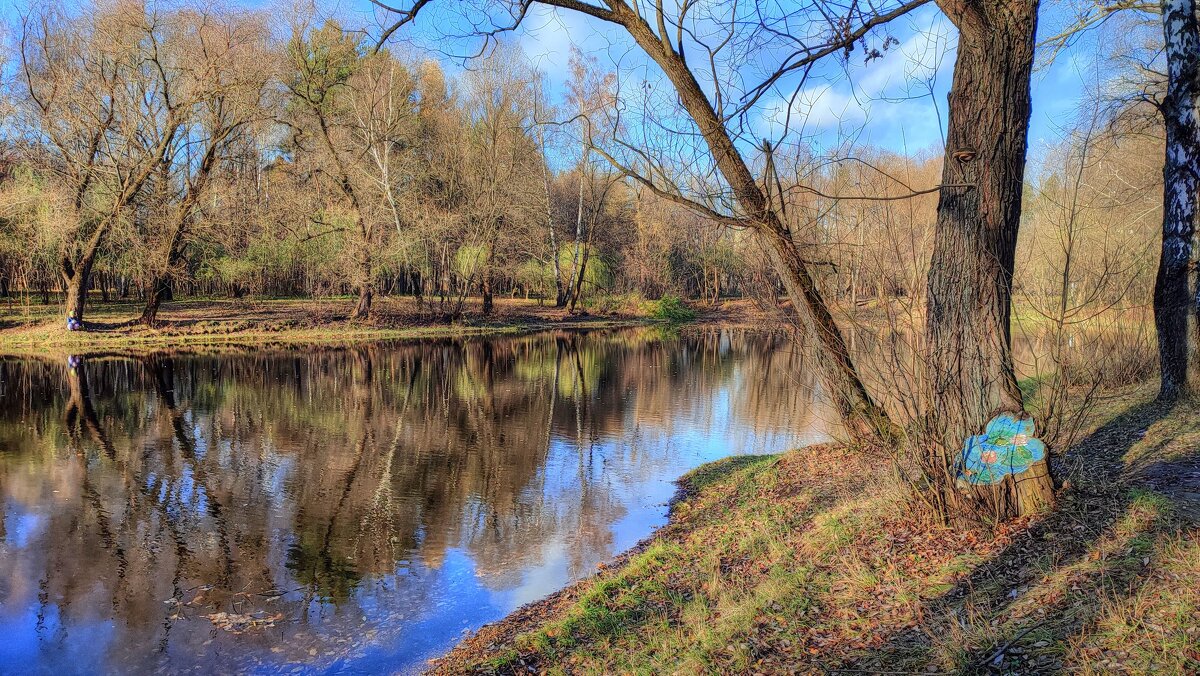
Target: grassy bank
(203,324)
(31,328)
(809,562)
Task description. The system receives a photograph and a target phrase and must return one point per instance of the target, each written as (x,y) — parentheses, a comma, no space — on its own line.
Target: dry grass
(211,323)
(207,324)
(809,562)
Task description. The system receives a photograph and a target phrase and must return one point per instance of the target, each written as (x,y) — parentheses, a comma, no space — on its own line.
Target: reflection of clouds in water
(381,499)
(21,526)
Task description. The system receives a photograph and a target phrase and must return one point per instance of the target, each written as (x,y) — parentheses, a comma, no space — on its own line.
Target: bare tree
(665,36)
(1176,290)
(1175,94)
(500,159)
(220,60)
(321,63)
(971,272)
(100,117)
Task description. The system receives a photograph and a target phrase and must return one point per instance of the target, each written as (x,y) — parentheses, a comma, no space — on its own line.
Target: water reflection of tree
(241,478)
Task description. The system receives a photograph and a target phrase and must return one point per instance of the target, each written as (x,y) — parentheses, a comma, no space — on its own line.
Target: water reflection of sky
(510,469)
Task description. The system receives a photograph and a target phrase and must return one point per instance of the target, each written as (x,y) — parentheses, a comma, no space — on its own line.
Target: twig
(1000,651)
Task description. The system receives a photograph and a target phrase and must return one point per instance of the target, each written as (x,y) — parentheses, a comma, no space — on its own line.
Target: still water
(350,511)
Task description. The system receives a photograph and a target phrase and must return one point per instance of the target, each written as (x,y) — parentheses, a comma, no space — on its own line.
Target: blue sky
(897,102)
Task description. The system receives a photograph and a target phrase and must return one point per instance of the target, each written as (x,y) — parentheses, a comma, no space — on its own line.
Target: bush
(672,309)
(1115,357)
(630,303)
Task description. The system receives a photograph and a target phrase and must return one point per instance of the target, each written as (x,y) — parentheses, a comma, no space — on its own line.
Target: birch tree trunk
(575,272)
(1176,294)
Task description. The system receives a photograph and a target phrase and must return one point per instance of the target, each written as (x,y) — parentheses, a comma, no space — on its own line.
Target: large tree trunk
(970,274)
(76,278)
(1174,291)
(366,295)
(160,290)
(76,287)
(76,274)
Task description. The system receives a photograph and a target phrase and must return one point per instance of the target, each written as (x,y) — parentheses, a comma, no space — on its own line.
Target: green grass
(672,310)
(810,561)
(204,324)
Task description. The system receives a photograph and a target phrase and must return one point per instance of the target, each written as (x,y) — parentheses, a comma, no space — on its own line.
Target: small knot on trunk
(965,155)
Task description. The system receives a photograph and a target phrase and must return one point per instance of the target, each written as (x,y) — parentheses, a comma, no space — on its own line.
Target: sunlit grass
(1157,628)
(208,323)
(1169,438)
(810,561)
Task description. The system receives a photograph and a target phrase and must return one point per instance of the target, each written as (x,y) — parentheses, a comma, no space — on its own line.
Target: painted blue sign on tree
(1006,447)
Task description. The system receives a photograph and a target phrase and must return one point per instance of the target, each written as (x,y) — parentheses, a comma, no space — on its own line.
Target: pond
(356,510)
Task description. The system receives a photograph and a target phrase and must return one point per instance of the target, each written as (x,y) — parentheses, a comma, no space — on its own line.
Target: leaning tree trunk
(160,286)
(1174,314)
(577,283)
(160,290)
(864,420)
(76,274)
(970,274)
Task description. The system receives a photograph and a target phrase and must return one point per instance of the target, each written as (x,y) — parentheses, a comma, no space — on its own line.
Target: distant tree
(798,36)
(99,112)
(501,165)
(221,60)
(322,62)
(1175,96)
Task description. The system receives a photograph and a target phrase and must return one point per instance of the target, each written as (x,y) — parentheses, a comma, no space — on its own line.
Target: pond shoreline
(107,345)
(803,561)
(213,326)
(410,490)
(481,642)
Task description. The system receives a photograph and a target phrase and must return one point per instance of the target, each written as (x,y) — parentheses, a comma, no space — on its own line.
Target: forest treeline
(191,152)
(195,149)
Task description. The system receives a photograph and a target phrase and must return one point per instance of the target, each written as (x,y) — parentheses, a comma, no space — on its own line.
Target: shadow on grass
(1019,611)
(710,473)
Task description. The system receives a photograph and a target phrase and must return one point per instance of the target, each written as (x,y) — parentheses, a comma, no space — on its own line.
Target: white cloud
(819,108)
(926,53)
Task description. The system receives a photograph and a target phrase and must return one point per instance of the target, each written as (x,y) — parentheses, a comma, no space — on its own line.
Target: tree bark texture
(1176,294)
(970,275)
